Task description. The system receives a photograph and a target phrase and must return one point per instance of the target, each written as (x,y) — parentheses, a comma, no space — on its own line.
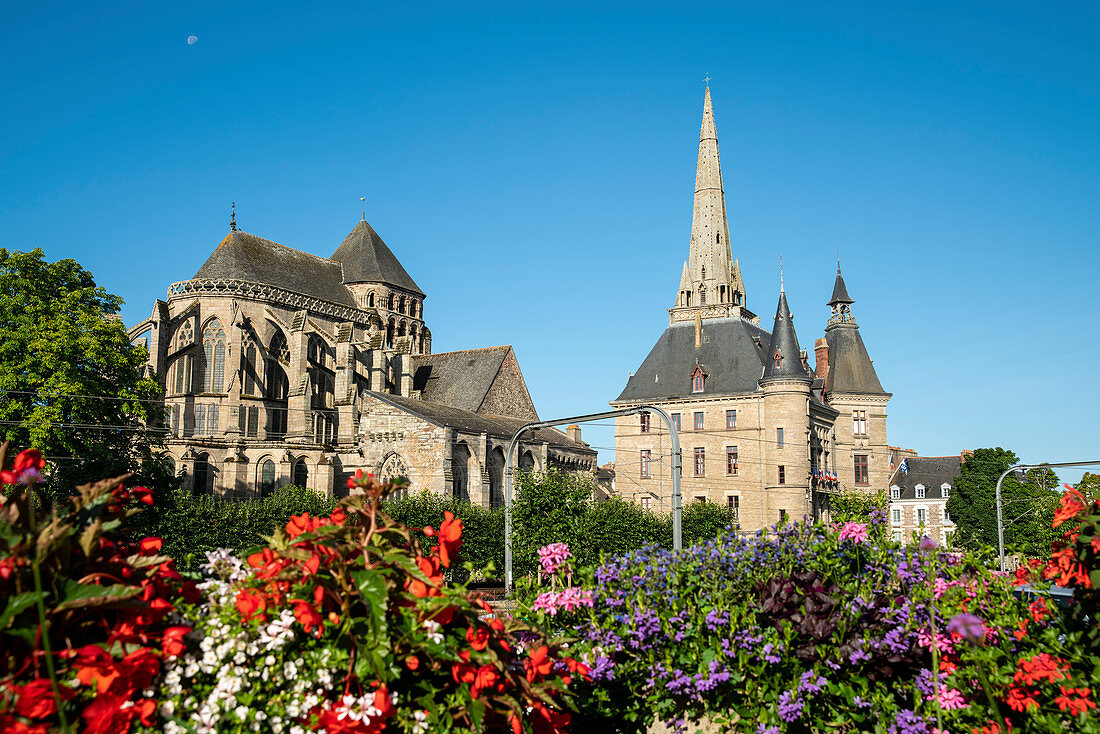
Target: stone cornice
(267,294)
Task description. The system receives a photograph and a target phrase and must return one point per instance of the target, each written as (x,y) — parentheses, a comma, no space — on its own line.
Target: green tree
(71,382)
(1028,504)
(548,507)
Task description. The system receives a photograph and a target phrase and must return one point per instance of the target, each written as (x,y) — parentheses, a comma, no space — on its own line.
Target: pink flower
(554,556)
(950,698)
(854,531)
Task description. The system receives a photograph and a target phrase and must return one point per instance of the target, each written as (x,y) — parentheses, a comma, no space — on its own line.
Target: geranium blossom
(854,531)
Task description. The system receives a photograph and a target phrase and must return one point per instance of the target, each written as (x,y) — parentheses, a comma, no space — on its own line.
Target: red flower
(338,517)
(486,677)
(1071,505)
(308,616)
(36,700)
(546,721)
(173,641)
(1039,668)
(94,665)
(142,494)
(251,603)
(539,664)
(26,469)
(1075,706)
(1038,609)
(478,637)
(1020,700)
(106,715)
(463,672)
(429,566)
(412,662)
(450,538)
(1064,565)
(151,546)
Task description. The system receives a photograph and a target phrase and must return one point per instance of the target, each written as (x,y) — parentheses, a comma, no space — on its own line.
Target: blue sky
(532,167)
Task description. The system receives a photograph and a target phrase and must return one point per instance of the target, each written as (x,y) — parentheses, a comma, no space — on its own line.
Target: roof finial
(780,273)
(838,257)
(233,217)
(706,80)
(364,200)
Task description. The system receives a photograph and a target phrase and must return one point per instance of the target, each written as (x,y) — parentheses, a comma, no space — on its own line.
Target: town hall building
(281,367)
(761,430)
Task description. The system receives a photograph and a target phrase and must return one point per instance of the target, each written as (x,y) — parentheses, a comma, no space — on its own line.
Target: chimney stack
(821,357)
(574,433)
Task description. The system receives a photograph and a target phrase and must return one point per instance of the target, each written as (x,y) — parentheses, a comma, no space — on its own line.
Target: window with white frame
(895,492)
(921,515)
(920,491)
(859,422)
(899,536)
(945,490)
(895,516)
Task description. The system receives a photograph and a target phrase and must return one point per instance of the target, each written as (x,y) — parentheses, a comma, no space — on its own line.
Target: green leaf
(372,588)
(18,603)
(79,595)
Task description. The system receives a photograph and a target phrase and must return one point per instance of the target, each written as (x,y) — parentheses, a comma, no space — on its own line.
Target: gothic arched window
(266,477)
(213,352)
(251,369)
(301,473)
(370,300)
(392,468)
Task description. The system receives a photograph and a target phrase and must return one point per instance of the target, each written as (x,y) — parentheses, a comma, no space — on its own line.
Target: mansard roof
(850,368)
(460,379)
(244,256)
(471,422)
(930,471)
(366,259)
(732,353)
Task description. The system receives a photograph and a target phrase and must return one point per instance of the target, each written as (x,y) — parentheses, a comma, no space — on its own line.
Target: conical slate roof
(840,291)
(366,259)
(850,367)
(784,344)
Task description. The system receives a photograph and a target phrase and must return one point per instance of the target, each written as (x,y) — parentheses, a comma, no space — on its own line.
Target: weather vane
(233,216)
(364,200)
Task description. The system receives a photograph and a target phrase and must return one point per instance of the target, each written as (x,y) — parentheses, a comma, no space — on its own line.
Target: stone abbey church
(281,367)
(761,431)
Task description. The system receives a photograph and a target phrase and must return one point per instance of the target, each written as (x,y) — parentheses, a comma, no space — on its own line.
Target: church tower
(710,282)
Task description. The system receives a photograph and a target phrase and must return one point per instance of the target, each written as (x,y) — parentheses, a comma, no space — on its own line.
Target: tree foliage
(1028,504)
(70,380)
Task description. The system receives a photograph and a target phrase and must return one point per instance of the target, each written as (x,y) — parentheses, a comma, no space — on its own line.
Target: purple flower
(860,703)
(907,722)
(927,544)
(811,683)
(967,626)
(765,729)
(790,706)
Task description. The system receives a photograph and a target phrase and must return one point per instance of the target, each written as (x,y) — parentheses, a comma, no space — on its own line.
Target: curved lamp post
(677,539)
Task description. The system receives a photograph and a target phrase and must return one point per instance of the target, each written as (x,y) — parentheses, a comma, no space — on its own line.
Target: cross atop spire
(706,80)
(233,216)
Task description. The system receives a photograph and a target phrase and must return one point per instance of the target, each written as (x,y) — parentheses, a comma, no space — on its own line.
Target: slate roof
(244,256)
(366,259)
(840,291)
(732,355)
(785,341)
(850,368)
(931,471)
(461,379)
(466,420)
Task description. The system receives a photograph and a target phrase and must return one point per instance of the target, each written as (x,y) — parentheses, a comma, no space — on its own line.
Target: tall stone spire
(711,283)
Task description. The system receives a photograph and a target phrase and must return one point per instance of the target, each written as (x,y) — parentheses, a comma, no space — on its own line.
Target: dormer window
(895,492)
(777,358)
(945,490)
(920,491)
(697,379)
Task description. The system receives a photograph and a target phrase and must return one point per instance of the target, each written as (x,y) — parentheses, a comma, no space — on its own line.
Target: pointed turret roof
(784,357)
(840,291)
(366,259)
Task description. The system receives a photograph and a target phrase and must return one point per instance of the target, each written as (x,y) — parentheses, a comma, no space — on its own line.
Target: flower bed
(340,623)
(811,628)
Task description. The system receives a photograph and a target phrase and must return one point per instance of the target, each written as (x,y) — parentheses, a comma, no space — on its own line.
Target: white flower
(241,712)
(420,721)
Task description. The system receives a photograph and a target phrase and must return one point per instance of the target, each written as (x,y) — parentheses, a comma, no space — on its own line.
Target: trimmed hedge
(549,507)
